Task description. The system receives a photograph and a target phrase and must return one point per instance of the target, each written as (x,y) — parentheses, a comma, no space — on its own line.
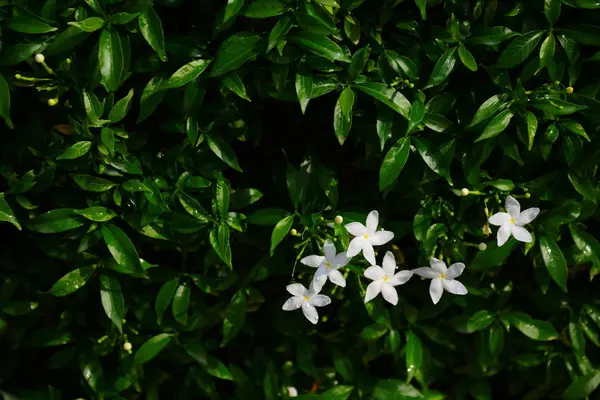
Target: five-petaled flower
(327,266)
(308,299)
(442,278)
(384,279)
(512,222)
(367,237)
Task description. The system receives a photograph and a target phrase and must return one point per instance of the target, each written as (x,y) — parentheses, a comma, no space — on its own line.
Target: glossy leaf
(394,161)
(342,118)
(112,300)
(72,281)
(152,30)
(519,49)
(151,348)
(280,231)
(111,58)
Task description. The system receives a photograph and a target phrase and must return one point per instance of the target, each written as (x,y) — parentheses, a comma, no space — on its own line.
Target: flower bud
(570,90)
(52,102)
(18,76)
(464,191)
(411,85)
(292,391)
(39,58)
(293,232)
(339,219)
(127,346)
(482,246)
(527,195)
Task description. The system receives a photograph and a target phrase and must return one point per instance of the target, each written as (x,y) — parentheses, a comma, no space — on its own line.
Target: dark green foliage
(166,164)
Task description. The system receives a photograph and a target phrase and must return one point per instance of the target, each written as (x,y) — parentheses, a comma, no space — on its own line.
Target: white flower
(367,237)
(308,299)
(442,278)
(327,266)
(384,279)
(292,391)
(512,222)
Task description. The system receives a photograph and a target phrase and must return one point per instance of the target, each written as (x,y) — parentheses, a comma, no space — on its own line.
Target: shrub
(170,167)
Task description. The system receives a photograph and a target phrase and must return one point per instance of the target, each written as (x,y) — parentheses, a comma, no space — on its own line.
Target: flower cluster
(385,278)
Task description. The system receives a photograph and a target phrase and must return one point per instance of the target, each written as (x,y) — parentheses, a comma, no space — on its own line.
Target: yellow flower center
(385,278)
(306,298)
(365,236)
(327,265)
(512,221)
(443,276)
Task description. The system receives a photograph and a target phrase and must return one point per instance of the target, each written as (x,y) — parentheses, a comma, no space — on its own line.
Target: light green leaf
(6,213)
(193,207)
(92,183)
(467,58)
(89,24)
(121,248)
(281,28)
(342,116)
(492,35)
(443,68)
(532,328)
(393,162)
(120,109)
(181,304)
(264,8)
(555,261)
(414,354)
(304,86)
(547,50)
(234,52)
(233,82)
(574,127)
(223,151)
(97,214)
(186,74)
(152,30)
(75,151)
(387,95)
(151,348)
(55,221)
(532,125)
(496,125)
(433,158)
(583,386)
(72,281)
(319,45)
(234,317)
(112,299)
(219,240)
(552,10)
(487,109)
(519,49)
(280,231)
(111,58)
(27,23)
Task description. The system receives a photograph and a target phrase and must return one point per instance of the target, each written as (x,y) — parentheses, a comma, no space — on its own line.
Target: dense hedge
(170,167)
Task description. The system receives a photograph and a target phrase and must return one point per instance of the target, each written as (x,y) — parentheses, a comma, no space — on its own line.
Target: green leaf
(193,207)
(555,261)
(213,366)
(519,49)
(342,115)
(96,5)
(547,50)
(559,216)
(478,321)
(532,328)
(467,58)
(234,52)
(164,297)
(232,8)
(532,125)
(55,221)
(492,256)
(19,52)
(417,113)
(280,231)
(491,36)
(393,389)
(181,304)
(422,4)
(89,24)
(152,30)
(222,195)
(111,59)
(557,107)
(434,159)
(552,10)
(583,386)
(583,186)
(122,18)
(304,86)
(266,216)
(91,369)
(502,184)
(6,213)
(29,24)
(586,243)
(219,240)
(72,281)
(121,248)
(151,348)
(186,74)
(152,96)
(121,108)
(112,299)
(577,338)
(358,62)
(92,183)
(313,18)
(443,68)
(281,28)
(394,161)
(487,109)
(93,107)
(414,354)
(264,8)
(65,41)
(245,197)
(319,45)
(387,95)
(496,125)
(233,82)
(337,393)
(373,332)
(234,317)
(574,127)
(77,150)
(223,151)
(5,102)
(97,214)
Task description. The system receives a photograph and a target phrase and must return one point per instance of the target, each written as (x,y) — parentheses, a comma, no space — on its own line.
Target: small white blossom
(367,237)
(292,391)
(39,58)
(327,266)
(384,279)
(442,278)
(308,299)
(512,222)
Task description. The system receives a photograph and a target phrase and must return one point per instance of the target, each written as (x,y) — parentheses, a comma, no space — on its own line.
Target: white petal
(369,253)
(499,219)
(313,288)
(320,300)
(310,312)
(426,272)
(356,229)
(297,289)
(356,245)
(373,290)
(313,261)
(374,273)
(336,277)
(503,234)
(319,279)
(455,270)
(438,265)
(513,207)
(380,238)
(329,250)
(341,260)
(527,216)
(372,221)
(293,303)
(400,278)
(436,290)
(389,264)
(389,293)
(454,287)
(521,234)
